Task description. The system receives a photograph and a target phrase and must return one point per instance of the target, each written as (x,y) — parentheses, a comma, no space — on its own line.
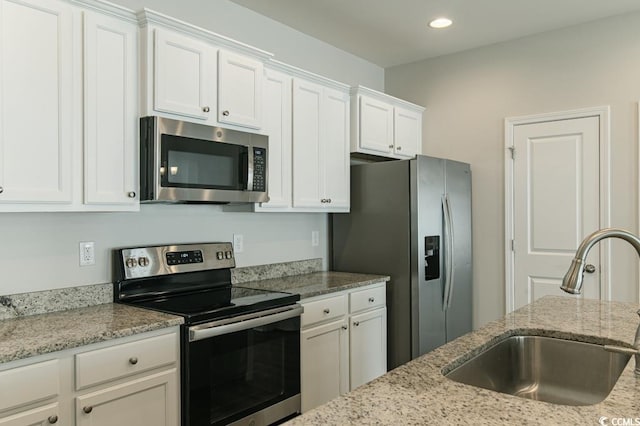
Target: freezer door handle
(448,252)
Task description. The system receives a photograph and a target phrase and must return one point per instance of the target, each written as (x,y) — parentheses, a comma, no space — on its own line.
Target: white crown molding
(361,90)
(108,8)
(307,75)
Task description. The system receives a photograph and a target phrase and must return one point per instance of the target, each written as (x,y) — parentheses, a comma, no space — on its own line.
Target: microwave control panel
(259,169)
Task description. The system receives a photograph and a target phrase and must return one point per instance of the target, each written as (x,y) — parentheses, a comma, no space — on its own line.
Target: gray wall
(468,96)
(39,251)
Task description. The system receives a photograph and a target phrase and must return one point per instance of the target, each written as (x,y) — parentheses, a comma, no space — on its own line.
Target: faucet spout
(573,279)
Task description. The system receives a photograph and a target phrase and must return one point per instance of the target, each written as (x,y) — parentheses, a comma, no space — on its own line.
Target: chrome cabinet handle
(344,327)
(399,148)
(356,323)
(326,311)
(131,194)
(371,300)
(1,190)
(225,113)
(53,419)
(390,146)
(87,409)
(589,268)
(133,360)
(205,109)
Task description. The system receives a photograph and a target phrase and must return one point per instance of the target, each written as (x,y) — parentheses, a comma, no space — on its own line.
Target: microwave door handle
(249,168)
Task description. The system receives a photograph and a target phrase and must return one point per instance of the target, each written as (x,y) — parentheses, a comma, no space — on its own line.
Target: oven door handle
(244,322)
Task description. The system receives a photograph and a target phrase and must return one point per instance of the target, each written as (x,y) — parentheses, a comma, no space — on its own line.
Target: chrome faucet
(572,281)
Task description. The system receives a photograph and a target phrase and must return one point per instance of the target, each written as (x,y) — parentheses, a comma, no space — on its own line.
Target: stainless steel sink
(545,369)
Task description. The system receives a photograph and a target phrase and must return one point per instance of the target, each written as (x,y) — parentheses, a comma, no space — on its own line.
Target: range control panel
(183,257)
(141,262)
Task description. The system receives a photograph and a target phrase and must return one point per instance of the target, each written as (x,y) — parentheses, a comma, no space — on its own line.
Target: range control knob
(131,262)
(143,261)
(227,254)
(220,255)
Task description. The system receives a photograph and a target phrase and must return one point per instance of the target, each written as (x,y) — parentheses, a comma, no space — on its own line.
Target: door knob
(589,268)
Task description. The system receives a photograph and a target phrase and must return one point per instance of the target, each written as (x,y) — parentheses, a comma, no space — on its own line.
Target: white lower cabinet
(127,381)
(324,362)
(147,401)
(367,346)
(343,343)
(46,415)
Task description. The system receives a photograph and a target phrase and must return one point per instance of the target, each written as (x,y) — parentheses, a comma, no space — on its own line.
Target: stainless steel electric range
(240,347)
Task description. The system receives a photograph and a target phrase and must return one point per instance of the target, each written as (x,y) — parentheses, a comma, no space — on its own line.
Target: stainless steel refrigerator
(411,220)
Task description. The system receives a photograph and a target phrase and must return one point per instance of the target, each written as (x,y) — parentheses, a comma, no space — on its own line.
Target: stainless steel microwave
(193,163)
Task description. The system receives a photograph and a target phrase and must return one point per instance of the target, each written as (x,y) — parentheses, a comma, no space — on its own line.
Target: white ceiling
(393,32)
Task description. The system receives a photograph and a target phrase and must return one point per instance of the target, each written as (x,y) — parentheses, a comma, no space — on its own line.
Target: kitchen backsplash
(23,304)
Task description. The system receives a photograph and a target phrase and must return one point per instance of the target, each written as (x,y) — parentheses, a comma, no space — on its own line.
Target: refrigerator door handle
(452,252)
(448,252)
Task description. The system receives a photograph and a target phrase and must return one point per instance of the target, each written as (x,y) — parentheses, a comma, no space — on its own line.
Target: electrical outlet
(315,238)
(87,253)
(238,243)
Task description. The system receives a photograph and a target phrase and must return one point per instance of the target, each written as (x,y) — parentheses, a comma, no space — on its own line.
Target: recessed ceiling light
(440,23)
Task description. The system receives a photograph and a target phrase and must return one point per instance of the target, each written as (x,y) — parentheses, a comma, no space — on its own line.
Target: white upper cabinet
(407,132)
(37,71)
(375,123)
(111,113)
(335,149)
(68,106)
(277,125)
(193,74)
(320,147)
(384,125)
(239,90)
(184,76)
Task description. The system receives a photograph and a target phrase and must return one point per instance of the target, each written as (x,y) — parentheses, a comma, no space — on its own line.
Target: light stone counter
(418,394)
(317,283)
(32,335)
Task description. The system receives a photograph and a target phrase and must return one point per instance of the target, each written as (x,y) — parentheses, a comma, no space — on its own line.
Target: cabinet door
(111,113)
(277,125)
(239,90)
(41,416)
(407,133)
(335,149)
(36,101)
(368,346)
(184,72)
(307,152)
(376,125)
(324,363)
(149,401)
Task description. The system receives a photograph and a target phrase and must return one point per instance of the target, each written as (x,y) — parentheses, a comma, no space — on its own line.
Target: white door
(556,204)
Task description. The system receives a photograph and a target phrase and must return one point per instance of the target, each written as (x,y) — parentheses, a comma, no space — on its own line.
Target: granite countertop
(32,335)
(417,392)
(316,283)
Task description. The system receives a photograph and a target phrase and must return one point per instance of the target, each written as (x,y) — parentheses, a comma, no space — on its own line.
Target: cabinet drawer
(29,384)
(324,309)
(125,359)
(371,297)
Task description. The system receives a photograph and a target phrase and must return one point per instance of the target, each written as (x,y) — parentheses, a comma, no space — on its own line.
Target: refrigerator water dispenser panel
(431,257)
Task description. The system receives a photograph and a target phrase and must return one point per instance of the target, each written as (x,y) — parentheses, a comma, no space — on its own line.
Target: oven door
(244,369)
